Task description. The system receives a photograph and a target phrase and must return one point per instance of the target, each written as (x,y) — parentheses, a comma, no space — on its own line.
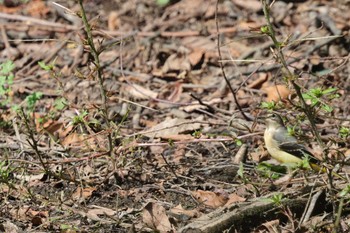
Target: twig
(34,21)
(171,168)
(222,65)
(100,77)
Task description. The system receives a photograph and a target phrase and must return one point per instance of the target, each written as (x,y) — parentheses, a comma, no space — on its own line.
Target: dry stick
(222,66)
(337,220)
(100,78)
(34,21)
(210,108)
(33,142)
(310,206)
(170,167)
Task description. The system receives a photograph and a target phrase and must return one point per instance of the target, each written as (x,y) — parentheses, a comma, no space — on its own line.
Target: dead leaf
(113,21)
(38,217)
(179,210)
(139,92)
(234,198)
(276,92)
(82,194)
(9,227)
(76,139)
(171,127)
(195,57)
(154,216)
(176,62)
(176,91)
(199,43)
(29,178)
(256,84)
(99,210)
(209,198)
(37,9)
(252,5)
(270,226)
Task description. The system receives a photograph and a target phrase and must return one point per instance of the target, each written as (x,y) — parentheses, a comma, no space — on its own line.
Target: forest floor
(145,135)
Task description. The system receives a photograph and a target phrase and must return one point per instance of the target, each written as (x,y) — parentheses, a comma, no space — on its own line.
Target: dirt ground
(151,138)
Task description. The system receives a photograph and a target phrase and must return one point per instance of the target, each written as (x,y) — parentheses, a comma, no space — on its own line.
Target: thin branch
(222,65)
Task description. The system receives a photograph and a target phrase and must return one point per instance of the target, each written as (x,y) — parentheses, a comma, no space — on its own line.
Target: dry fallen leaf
(234,198)
(209,198)
(82,194)
(179,210)
(171,127)
(9,227)
(195,57)
(176,62)
(252,5)
(154,216)
(99,210)
(140,93)
(276,92)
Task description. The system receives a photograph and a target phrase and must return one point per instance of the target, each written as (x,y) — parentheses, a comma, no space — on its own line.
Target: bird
(284,147)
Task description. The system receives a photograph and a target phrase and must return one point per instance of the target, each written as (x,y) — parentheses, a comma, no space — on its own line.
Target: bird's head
(274,120)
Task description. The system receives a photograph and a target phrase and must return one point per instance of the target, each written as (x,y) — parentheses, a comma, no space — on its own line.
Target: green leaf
(268,105)
(265,29)
(277,198)
(330,90)
(345,191)
(32,99)
(60,103)
(240,171)
(344,132)
(327,108)
(7,67)
(270,170)
(44,66)
(162,2)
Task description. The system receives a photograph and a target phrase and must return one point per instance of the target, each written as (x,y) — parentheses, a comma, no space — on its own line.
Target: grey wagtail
(284,147)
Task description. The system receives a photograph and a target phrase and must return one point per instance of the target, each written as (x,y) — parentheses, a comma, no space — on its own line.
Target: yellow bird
(284,147)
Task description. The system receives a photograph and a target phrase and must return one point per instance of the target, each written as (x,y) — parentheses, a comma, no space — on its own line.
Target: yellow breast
(274,150)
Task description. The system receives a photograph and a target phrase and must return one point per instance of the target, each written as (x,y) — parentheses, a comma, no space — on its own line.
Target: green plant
(68,228)
(162,2)
(344,132)
(240,171)
(6,81)
(345,191)
(277,199)
(4,172)
(79,119)
(32,99)
(238,142)
(271,171)
(46,67)
(197,133)
(271,106)
(315,96)
(60,104)
(305,163)
(95,53)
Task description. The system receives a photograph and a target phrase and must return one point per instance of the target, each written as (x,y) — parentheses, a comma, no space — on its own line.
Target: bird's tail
(317,168)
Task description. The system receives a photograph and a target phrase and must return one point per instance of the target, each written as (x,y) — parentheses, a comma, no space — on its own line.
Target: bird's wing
(289,144)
